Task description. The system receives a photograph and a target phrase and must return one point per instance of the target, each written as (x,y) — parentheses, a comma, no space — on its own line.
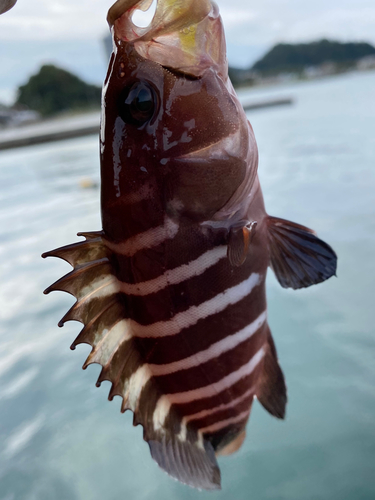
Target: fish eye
(138,103)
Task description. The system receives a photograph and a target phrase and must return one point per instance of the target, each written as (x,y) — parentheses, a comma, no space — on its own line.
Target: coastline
(267,94)
(79,125)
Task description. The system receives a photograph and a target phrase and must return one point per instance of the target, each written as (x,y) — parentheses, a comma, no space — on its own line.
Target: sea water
(60,439)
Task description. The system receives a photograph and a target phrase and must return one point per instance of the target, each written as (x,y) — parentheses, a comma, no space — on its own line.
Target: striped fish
(172,291)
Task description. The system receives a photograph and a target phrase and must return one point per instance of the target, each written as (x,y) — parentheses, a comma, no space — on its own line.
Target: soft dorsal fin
(271,391)
(298,257)
(187,462)
(239,239)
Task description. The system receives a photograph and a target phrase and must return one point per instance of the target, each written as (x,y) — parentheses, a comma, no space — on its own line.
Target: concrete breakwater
(87,124)
(50,130)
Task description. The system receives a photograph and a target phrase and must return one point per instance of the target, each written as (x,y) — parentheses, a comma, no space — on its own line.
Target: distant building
(107,40)
(14,118)
(366,63)
(326,69)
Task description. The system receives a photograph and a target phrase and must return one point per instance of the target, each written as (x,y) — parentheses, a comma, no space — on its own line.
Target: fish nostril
(143,19)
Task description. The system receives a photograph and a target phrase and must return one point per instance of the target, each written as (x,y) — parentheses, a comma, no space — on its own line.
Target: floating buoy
(88,183)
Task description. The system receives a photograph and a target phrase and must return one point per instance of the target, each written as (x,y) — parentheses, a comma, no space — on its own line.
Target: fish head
(172,126)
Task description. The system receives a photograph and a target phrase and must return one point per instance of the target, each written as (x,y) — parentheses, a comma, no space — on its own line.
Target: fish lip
(186,35)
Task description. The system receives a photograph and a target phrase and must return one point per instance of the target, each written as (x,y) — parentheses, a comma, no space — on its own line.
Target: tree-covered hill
(294,57)
(53,90)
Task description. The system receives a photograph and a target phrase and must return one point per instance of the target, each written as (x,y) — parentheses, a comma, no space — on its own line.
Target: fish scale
(172,291)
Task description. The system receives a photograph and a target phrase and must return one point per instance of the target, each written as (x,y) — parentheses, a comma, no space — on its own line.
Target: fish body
(172,290)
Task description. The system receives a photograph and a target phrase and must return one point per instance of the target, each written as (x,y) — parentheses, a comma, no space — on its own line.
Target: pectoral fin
(239,239)
(298,257)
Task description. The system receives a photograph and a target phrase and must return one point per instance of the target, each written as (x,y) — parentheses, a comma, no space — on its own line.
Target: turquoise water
(59,436)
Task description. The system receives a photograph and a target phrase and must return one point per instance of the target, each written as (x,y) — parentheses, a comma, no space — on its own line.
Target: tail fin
(298,257)
(271,392)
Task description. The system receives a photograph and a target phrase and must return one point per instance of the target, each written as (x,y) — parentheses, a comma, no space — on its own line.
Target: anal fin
(271,390)
(298,257)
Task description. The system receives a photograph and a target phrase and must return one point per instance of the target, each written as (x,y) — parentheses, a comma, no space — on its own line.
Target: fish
(6,5)
(171,291)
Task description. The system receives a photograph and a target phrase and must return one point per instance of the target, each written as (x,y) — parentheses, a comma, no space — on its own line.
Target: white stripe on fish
(215,350)
(176,275)
(166,401)
(192,315)
(148,239)
(216,409)
(224,423)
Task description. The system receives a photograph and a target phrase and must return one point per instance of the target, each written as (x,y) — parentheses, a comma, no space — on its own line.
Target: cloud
(55,19)
(69,33)
(254,22)
(258,22)
(234,17)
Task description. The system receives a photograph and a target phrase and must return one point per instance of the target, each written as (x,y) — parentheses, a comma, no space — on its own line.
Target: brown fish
(172,291)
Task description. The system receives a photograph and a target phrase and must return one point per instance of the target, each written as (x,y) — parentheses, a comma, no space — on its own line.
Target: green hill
(294,57)
(54,90)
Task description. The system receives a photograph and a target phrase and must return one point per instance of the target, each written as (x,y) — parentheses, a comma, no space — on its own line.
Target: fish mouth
(186,35)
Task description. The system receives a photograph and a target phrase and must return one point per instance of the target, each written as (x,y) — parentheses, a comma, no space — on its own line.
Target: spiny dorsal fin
(271,391)
(81,252)
(298,257)
(102,310)
(239,239)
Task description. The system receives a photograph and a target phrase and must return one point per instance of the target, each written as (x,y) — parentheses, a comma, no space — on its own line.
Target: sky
(70,32)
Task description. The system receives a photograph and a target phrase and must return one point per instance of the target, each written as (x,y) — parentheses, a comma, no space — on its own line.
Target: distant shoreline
(72,124)
(67,126)
(295,77)
(306,60)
